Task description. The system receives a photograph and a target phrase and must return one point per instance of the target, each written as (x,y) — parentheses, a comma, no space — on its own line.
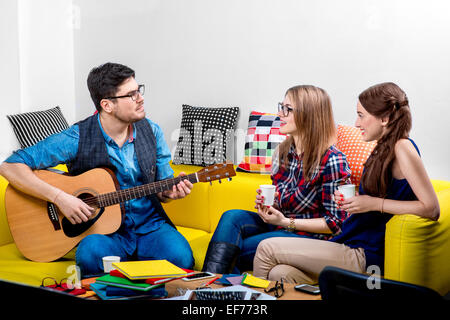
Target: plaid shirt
(302,199)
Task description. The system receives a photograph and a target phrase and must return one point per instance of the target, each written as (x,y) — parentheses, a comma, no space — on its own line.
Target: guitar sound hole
(74,230)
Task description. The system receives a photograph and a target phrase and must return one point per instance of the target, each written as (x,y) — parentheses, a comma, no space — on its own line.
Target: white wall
(10,74)
(46,56)
(246,53)
(36,60)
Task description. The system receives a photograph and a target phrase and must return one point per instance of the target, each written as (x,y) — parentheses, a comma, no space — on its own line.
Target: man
(118,136)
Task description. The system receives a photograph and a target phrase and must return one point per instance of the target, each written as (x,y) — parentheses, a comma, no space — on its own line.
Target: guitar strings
(122,195)
(116,196)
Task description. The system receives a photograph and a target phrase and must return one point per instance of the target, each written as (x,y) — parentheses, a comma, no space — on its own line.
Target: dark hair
(104,80)
(384,100)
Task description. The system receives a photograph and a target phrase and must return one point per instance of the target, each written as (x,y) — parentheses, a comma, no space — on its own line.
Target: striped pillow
(32,127)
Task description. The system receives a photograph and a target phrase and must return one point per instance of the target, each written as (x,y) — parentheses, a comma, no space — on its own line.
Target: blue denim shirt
(62,148)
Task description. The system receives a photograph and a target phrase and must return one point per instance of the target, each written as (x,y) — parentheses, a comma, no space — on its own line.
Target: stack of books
(137,279)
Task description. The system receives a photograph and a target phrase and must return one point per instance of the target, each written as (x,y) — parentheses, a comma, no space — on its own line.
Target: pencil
(209,282)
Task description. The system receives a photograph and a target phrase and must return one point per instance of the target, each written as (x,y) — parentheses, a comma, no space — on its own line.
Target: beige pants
(300,260)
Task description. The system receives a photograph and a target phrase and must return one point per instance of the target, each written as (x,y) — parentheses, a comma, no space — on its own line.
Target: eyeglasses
(62,286)
(284,109)
(278,289)
(134,95)
(49,282)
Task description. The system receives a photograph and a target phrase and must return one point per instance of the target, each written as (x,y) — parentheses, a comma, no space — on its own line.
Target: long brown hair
(314,120)
(384,100)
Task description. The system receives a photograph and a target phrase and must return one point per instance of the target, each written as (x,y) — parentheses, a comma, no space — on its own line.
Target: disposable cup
(108,261)
(347,190)
(268,192)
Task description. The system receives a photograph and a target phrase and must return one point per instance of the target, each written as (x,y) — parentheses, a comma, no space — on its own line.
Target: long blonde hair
(316,129)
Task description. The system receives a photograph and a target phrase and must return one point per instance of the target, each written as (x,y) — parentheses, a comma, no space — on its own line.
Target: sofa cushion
(32,127)
(350,142)
(198,240)
(192,211)
(205,134)
(263,136)
(240,193)
(14,267)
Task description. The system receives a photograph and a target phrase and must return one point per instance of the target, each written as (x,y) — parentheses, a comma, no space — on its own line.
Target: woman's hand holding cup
(265,197)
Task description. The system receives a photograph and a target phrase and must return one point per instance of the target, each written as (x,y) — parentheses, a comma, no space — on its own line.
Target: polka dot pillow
(206,134)
(350,142)
(263,136)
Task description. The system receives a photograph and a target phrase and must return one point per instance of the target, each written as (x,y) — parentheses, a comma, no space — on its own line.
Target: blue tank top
(367,230)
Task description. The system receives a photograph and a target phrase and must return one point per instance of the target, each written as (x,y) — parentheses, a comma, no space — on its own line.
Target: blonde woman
(306,171)
(394,181)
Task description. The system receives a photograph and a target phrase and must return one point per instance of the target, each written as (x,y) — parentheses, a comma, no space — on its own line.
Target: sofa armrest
(417,250)
(440,185)
(5,234)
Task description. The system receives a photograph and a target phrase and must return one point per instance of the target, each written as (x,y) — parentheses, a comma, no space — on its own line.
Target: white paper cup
(268,192)
(347,190)
(107,263)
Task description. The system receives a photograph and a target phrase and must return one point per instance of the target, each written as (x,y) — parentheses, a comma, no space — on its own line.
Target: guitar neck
(112,198)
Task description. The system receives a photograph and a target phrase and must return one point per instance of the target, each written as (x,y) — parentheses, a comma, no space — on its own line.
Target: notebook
(117,273)
(104,292)
(136,270)
(125,283)
(253,281)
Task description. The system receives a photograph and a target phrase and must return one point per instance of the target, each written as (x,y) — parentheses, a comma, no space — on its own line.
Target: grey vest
(92,154)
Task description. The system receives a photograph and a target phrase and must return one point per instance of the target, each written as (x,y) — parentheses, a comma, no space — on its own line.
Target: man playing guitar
(121,138)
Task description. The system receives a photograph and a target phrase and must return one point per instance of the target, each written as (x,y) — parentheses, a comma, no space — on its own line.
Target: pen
(209,282)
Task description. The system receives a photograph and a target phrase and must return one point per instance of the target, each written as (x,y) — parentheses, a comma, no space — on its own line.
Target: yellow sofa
(417,250)
(196,217)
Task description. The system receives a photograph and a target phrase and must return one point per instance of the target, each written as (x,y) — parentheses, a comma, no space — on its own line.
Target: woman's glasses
(284,109)
(277,289)
(63,286)
(51,283)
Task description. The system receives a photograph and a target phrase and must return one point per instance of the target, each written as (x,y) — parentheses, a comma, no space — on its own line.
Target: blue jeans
(163,243)
(246,230)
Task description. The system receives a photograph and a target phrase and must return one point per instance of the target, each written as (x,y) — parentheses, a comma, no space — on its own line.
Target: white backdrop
(246,53)
(36,62)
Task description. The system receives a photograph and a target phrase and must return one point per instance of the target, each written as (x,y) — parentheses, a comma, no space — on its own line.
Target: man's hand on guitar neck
(74,209)
(179,191)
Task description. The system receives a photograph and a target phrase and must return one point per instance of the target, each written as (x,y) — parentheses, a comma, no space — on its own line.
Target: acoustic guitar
(42,233)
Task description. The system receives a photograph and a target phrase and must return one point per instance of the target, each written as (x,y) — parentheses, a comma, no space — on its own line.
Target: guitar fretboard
(112,198)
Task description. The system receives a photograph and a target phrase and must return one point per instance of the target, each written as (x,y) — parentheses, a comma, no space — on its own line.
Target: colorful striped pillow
(263,136)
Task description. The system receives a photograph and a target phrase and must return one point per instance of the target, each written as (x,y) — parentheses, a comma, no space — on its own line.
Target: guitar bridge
(53,216)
